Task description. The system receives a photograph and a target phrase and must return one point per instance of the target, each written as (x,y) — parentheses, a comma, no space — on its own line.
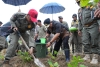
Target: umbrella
(52,8)
(16,2)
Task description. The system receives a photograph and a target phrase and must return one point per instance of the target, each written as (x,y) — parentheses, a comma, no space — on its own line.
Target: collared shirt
(74,23)
(41,31)
(18,20)
(57,28)
(65,24)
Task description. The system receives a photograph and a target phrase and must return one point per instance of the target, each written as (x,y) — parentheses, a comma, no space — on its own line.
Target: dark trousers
(63,42)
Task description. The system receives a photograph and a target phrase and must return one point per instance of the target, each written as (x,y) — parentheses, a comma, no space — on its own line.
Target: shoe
(87,58)
(94,59)
(67,61)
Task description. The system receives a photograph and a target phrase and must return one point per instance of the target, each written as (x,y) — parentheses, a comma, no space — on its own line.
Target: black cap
(60,17)
(47,21)
(74,15)
(1,22)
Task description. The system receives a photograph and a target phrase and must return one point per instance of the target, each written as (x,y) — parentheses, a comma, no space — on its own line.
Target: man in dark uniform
(61,35)
(21,22)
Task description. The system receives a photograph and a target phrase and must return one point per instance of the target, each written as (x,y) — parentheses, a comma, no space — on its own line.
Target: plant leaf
(56,64)
(50,63)
(96,1)
(81,65)
(84,3)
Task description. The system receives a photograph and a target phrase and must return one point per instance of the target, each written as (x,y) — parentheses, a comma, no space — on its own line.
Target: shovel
(36,60)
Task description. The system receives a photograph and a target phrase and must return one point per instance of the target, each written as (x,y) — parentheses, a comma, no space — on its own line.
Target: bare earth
(17,62)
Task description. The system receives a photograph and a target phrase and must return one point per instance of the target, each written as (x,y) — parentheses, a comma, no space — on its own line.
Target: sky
(6,10)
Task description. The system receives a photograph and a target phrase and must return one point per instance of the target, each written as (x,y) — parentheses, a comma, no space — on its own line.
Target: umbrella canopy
(52,8)
(16,2)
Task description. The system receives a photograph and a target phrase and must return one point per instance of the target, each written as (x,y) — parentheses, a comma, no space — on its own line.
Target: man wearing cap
(89,26)
(63,22)
(21,22)
(61,35)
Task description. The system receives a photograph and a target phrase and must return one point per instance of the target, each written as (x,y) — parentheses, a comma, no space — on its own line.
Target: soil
(17,62)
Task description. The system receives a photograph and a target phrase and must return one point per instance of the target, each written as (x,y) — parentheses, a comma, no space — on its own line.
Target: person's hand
(15,29)
(48,44)
(31,50)
(97,13)
(79,33)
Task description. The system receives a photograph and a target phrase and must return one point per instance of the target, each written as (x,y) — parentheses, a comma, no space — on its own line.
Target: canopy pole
(19,9)
(52,12)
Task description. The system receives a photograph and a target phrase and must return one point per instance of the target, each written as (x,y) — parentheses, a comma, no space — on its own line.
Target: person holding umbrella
(61,35)
(21,22)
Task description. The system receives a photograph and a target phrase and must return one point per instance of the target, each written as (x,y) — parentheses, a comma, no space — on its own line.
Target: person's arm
(97,13)
(36,36)
(47,33)
(80,27)
(12,21)
(36,33)
(58,30)
(55,37)
(99,24)
(67,25)
(44,28)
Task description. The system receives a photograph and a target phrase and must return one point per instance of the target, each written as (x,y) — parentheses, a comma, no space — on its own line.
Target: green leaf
(55,52)
(1,57)
(81,65)
(53,57)
(50,63)
(56,64)
(84,3)
(69,65)
(96,1)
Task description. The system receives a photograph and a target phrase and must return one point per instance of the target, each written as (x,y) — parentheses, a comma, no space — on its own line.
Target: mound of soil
(17,62)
